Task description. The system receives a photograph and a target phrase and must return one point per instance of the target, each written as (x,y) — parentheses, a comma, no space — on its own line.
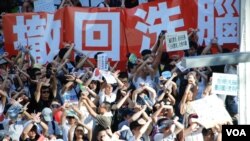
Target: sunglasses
(45,91)
(55,105)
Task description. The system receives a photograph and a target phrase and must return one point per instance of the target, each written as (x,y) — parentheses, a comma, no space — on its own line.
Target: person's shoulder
(158,136)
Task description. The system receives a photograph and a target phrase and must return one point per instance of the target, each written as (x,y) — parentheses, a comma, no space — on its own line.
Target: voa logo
(236,132)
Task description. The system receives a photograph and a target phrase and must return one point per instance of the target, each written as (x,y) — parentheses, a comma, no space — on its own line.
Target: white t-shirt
(148,81)
(65,130)
(1,107)
(160,137)
(108,98)
(15,130)
(195,136)
(88,120)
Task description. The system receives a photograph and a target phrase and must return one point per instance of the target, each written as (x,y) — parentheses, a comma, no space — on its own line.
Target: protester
(73,100)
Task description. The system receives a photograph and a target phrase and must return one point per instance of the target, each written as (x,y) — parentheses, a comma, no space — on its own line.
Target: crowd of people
(63,100)
(15,6)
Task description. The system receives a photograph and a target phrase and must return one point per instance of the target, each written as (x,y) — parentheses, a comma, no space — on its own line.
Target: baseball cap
(47,114)
(71,113)
(166,74)
(13,111)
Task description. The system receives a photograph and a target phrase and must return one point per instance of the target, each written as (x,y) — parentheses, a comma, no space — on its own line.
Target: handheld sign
(102,62)
(226,84)
(211,111)
(177,41)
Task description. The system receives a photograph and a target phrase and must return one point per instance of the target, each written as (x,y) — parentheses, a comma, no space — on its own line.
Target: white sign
(44,6)
(102,62)
(226,84)
(177,41)
(211,111)
(96,75)
(180,66)
(110,79)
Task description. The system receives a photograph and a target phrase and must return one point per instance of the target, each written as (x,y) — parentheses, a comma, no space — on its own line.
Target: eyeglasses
(124,81)
(55,105)
(45,91)
(79,130)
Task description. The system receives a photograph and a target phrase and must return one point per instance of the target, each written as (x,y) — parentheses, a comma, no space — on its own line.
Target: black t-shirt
(131,3)
(115,3)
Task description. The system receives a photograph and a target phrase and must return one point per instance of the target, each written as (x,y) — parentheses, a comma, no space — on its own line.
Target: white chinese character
(227,26)
(108,29)
(38,32)
(161,12)
(205,21)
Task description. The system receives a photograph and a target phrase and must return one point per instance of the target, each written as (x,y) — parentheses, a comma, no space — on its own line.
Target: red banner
(118,31)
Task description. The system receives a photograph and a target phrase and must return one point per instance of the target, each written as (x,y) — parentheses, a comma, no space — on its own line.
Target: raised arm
(121,102)
(158,53)
(38,91)
(3,97)
(178,127)
(54,85)
(89,130)
(91,111)
(143,129)
(82,61)
(116,74)
(184,99)
(152,93)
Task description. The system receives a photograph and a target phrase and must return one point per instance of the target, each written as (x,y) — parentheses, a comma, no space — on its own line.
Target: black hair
(146,52)
(130,66)
(193,44)
(48,70)
(77,59)
(96,55)
(62,52)
(34,128)
(83,137)
(32,72)
(164,57)
(133,125)
(123,75)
